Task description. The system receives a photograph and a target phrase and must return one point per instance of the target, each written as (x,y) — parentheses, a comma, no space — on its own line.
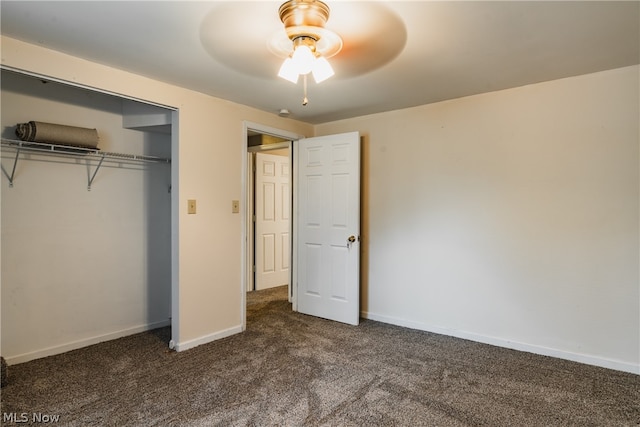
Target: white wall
(509,217)
(81,266)
(207,161)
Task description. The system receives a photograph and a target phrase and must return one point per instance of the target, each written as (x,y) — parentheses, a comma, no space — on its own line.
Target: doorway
(267,152)
(327,186)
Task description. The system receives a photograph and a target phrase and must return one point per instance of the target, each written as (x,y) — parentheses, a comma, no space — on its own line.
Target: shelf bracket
(91,178)
(13,170)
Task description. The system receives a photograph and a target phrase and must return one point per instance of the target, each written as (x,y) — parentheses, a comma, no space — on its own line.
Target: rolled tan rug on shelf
(57,134)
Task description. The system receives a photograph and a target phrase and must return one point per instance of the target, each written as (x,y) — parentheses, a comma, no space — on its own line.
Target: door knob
(350,241)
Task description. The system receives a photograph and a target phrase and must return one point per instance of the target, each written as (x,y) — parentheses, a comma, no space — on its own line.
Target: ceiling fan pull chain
(305,101)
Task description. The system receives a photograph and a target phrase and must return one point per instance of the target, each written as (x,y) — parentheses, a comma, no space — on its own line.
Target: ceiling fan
(311,43)
(249,38)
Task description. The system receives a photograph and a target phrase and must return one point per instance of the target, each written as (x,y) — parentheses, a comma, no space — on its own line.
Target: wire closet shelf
(66,151)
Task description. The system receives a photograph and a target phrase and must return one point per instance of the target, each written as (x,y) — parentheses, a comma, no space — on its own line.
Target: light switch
(191,206)
(235,206)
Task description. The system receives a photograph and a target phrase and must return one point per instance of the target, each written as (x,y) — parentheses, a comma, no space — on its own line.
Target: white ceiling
(397,54)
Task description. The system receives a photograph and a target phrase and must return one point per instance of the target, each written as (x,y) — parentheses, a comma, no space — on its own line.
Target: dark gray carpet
(289,369)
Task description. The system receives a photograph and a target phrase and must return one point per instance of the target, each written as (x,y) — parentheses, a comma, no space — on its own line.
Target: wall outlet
(191,206)
(235,206)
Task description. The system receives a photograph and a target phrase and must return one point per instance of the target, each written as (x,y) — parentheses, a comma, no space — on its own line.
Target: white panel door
(273,238)
(328,227)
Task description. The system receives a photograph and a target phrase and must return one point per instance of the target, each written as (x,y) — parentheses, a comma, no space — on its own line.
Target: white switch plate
(235,206)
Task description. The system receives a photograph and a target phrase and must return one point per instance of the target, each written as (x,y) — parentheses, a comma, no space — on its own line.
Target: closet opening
(86,231)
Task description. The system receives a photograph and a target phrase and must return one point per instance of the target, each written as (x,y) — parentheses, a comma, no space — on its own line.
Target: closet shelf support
(94,173)
(13,170)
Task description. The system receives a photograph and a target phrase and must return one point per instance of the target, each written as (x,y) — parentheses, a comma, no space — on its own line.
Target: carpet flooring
(288,369)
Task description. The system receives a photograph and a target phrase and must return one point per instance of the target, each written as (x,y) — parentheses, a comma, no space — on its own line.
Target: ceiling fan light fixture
(312,44)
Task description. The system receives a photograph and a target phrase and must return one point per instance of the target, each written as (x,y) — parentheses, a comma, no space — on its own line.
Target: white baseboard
(186,345)
(500,342)
(50,351)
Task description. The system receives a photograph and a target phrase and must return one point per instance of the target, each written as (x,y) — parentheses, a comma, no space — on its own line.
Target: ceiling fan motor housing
(304,13)
(304,22)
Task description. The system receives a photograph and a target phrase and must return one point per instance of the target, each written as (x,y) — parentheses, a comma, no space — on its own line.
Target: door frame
(246,222)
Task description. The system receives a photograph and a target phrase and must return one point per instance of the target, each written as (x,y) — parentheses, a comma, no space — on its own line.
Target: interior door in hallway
(272,228)
(327,226)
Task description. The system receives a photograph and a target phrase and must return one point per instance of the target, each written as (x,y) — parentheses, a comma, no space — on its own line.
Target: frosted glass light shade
(288,71)
(303,59)
(322,70)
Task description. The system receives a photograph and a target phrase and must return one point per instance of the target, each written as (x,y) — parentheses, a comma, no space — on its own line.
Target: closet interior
(86,232)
